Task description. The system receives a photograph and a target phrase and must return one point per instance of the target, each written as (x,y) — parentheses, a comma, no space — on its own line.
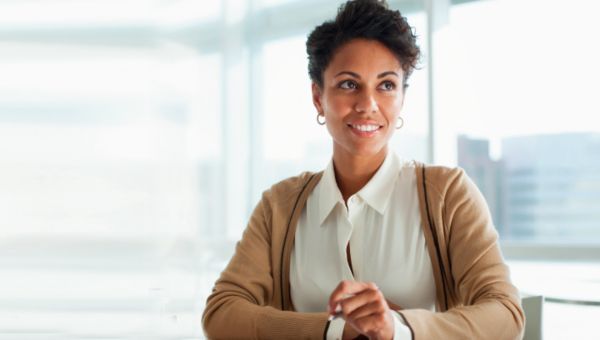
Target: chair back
(533,307)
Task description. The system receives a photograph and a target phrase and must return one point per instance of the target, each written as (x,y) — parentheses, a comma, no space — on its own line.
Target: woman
(372,246)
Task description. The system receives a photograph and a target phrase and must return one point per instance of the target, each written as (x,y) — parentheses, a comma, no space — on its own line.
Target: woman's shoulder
(293,186)
(441,178)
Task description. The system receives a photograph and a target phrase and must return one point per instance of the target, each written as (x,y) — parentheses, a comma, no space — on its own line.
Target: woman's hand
(364,308)
(349,332)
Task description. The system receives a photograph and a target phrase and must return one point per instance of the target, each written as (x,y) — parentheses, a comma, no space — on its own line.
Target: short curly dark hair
(367,19)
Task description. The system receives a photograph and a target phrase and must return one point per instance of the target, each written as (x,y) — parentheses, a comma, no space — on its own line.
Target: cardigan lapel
(428,225)
(290,236)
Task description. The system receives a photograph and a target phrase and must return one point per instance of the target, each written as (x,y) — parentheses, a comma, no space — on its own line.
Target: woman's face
(361,97)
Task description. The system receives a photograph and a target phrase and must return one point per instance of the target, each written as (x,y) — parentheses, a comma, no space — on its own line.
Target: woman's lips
(365,130)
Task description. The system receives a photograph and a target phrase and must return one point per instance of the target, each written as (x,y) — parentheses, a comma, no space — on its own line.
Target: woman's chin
(366,150)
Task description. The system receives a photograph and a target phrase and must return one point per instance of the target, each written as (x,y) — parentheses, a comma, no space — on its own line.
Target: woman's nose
(366,103)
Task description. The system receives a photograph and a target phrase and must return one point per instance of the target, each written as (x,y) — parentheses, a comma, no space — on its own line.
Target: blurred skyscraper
(544,188)
(553,186)
(474,158)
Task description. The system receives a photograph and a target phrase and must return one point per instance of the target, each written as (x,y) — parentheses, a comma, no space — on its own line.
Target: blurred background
(136,136)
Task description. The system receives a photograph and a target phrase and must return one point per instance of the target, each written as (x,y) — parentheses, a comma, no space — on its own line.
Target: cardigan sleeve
(240,304)
(488,305)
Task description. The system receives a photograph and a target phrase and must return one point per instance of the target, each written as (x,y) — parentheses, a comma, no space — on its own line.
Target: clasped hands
(364,308)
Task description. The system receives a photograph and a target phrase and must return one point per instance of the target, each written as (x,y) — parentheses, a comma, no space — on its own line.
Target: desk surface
(563,282)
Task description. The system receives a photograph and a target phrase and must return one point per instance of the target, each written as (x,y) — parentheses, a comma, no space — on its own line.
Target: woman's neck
(352,172)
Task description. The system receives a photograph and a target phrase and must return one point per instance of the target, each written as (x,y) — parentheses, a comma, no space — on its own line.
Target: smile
(364,130)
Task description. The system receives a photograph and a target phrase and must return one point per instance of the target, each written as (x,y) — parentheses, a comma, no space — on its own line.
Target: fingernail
(337,309)
(336,313)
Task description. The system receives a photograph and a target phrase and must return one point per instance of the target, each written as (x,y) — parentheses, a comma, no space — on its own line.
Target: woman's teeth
(366,128)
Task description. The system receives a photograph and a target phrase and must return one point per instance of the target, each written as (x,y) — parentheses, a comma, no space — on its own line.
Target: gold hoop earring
(401,123)
(318,120)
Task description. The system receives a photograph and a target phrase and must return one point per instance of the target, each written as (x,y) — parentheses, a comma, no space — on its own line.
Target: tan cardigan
(474,295)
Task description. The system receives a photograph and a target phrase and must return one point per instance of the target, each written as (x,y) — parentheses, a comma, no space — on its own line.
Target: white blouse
(382,223)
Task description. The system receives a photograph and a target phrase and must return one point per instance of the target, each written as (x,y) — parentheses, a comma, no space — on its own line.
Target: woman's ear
(317,97)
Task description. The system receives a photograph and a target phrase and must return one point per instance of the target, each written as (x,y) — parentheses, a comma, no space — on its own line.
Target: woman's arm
(491,307)
(240,304)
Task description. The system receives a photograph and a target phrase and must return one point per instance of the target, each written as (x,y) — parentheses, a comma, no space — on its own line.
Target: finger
(365,310)
(345,288)
(365,297)
(373,324)
(393,305)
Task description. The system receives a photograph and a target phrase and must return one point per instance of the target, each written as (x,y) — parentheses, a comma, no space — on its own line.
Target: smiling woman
(373,246)
(360,100)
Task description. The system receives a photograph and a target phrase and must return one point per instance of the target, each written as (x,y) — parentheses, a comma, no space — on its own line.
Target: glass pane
(410,142)
(271,3)
(108,183)
(185,13)
(516,111)
(205,133)
(292,139)
(126,14)
(70,14)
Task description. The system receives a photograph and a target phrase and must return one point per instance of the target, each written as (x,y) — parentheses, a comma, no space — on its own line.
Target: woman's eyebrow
(352,74)
(355,75)
(381,75)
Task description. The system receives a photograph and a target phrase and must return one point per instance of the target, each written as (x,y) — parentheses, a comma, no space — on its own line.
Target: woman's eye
(348,85)
(387,86)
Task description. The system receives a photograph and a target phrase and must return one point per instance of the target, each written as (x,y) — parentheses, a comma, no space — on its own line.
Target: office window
(136,137)
(109,183)
(514,107)
(271,3)
(517,113)
(292,141)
